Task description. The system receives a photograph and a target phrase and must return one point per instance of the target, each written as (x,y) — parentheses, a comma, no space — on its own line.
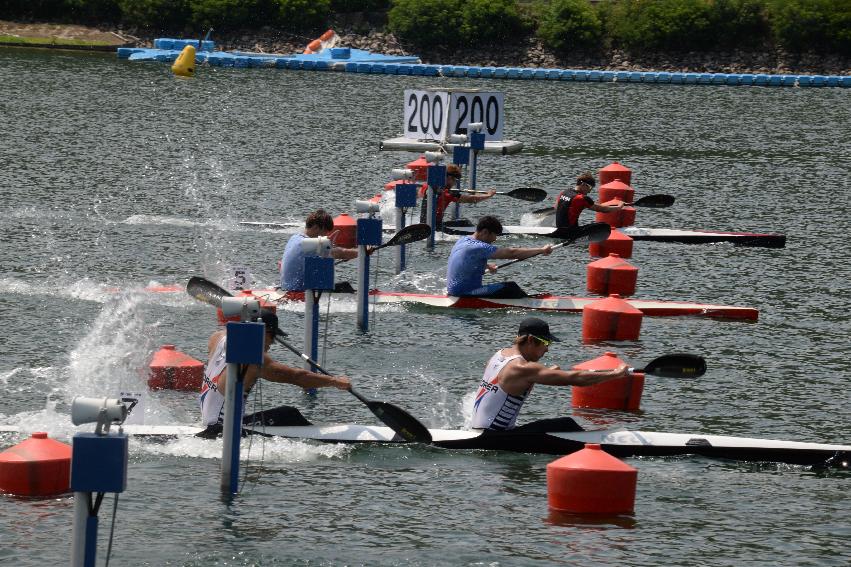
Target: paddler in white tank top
(212,399)
(511,373)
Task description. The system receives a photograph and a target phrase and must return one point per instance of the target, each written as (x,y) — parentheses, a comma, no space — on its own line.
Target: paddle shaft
(559,245)
(650,201)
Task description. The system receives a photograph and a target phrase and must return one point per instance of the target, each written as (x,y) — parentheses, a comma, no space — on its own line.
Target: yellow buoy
(184,65)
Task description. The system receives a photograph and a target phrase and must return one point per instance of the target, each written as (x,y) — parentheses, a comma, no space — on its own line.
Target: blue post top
(369,232)
(179,44)
(477,141)
(341,53)
(460,155)
(99,462)
(318,273)
(436,176)
(406,195)
(245,343)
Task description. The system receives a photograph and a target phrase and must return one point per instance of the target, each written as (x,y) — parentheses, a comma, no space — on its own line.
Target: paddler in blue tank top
(511,373)
(318,223)
(469,260)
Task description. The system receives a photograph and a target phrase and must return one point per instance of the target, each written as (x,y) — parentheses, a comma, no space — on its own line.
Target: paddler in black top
(448,195)
(568,206)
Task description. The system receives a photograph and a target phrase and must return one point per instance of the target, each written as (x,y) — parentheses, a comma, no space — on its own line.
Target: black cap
(270,319)
(536,327)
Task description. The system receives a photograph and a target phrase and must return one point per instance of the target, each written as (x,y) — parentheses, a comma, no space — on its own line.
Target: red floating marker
(618,218)
(612,274)
(420,168)
(36,467)
(617,243)
(611,319)
(615,171)
(346,231)
(591,481)
(171,369)
(620,394)
(616,189)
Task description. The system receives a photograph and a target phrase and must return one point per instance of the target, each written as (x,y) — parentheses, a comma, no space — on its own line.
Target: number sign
(484,107)
(434,114)
(425,114)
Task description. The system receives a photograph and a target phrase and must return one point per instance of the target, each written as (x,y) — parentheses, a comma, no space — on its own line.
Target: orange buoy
(615,171)
(611,318)
(620,394)
(618,218)
(612,274)
(171,369)
(590,481)
(617,243)
(420,168)
(616,189)
(37,466)
(345,231)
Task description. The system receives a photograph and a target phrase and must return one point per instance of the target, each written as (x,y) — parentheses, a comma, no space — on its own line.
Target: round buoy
(621,394)
(420,168)
(590,481)
(171,369)
(616,219)
(346,230)
(615,171)
(617,243)
(611,318)
(184,65)
(616,189)
(37,466)
(612,274)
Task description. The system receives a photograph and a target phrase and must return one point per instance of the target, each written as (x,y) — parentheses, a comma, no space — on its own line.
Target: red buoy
(346,231)
(590,481)
(615,171)
(612,274)
(37,466)
(621,394)
(611,319)
(420,168)
(618,218)
(171,369)
(617,243)
(616,189)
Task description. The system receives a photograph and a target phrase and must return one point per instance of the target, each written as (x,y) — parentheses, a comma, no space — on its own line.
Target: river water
(116,176)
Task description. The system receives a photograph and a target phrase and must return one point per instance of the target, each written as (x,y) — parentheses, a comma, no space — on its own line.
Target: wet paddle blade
(655,201)
(532,194)
(412,233)
(676,366)
(404,424)
(594,232)
(206,291)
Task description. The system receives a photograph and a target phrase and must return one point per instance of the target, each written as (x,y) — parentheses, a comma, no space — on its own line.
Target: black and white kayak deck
(547,437)
(769,240)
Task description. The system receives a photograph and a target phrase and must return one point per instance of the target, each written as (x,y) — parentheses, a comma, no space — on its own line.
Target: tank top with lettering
(494,408)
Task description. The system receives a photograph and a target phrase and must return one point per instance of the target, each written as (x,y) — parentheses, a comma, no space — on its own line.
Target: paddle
(675,366)
(397,419)
(650,201)
(412,233)
(594,232)
(532,194)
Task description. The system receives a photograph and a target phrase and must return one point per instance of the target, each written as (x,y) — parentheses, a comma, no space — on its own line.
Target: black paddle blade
(544,211)
(532,194)
(655,201)
(676,366)
(206,291)
(412,233)
(400,421)
(594,232)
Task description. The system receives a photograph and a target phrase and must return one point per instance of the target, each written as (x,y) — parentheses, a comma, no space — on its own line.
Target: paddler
(318,223)
(212,399)
(448,194)
(469,260)
(570,204)
(512,372)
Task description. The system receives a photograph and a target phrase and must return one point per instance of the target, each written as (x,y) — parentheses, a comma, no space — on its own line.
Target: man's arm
(520,253)
(277,372)
(344,253)
(468,198)
(606,208)
(518,377)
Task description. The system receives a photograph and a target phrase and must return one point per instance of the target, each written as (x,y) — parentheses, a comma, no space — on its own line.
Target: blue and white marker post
(98,465)
(460,157)
(406,198)
(318,277)
(477,144)
(436,181)
(244,346)
(369,234)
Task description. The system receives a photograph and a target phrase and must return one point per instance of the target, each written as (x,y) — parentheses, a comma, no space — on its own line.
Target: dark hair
(453,171)
(270,319)
(321,219)
(586,177)
(490,223)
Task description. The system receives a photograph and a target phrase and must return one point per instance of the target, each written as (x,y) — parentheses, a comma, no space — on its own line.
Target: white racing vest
(212,401)
(493,408)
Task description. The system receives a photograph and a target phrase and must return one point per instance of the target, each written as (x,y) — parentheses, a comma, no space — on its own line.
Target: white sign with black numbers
(241,278)
(477,106)
(135,403)
(425,114)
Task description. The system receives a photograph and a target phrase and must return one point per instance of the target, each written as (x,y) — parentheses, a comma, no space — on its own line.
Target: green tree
(570,24)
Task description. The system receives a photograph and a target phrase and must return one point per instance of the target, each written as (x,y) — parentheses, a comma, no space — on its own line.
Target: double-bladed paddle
(407,235)
(650,202)
(593,232)
(679,365)
(532,194)
(401,422)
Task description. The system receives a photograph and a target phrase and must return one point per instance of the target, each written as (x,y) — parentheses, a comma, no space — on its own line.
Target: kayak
(548,437)
(752,239)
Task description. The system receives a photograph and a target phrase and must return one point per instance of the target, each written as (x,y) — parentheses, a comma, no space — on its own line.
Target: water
(116,176)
